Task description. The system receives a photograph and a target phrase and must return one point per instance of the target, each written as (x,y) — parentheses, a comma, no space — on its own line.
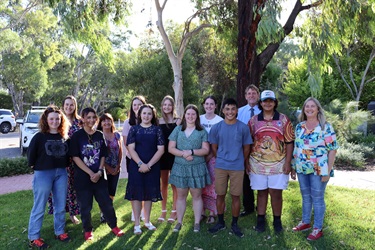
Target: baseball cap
(267,94)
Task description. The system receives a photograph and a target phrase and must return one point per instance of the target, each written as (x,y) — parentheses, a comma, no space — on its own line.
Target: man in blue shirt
(244,115)
(230,140)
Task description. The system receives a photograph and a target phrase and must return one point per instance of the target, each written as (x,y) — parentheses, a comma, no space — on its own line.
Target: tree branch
(29,6)
(342,75)
(267,54)
(363,82)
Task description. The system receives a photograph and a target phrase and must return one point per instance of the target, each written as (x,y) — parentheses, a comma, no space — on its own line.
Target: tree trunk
(249,71)
(251,65)
(178,87)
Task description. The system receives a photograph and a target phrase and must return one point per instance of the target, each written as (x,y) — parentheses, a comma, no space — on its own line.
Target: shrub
(14,166)
(352,154)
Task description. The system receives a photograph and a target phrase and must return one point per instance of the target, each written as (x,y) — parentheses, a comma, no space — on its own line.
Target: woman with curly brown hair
(48,157)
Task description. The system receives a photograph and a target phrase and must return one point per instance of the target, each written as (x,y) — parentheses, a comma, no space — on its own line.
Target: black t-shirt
(89,148)
(48,151)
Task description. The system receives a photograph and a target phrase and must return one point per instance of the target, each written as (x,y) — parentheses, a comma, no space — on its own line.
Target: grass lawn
(349,224)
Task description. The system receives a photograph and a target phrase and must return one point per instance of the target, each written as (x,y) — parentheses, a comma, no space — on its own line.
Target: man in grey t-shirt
(230,140)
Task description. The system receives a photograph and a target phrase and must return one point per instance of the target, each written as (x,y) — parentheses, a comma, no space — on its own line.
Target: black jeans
(248,194)
(85,197)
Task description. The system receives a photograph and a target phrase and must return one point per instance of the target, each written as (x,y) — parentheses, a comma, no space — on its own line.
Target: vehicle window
(33,118)
(4,112)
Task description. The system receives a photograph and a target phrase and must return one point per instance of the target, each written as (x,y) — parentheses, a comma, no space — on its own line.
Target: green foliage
(346,119)
(343,30)
(5,100)
(118,113)
(295,85)
(89,22)
(14,166)
(351,154)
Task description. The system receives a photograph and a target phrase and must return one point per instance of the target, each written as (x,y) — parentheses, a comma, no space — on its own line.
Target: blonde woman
(167,123)
(314,155)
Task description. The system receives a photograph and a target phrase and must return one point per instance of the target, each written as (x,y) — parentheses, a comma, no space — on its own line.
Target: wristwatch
(140,164)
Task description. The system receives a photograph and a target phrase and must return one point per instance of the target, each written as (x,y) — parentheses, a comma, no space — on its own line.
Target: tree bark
(251,65)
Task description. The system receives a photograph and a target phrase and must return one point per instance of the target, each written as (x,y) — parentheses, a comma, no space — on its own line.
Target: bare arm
(331,161)
(288,158)
(214,149)
(204,150)
(156,156)
(246,155)
(173,149)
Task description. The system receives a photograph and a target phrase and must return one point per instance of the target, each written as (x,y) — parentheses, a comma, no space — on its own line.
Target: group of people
(251,148)
(73,162)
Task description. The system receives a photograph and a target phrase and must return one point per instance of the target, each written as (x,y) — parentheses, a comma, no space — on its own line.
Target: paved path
(351,179)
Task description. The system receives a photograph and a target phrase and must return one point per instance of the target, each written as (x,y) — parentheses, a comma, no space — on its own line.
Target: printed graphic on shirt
(56,149)
(91,153)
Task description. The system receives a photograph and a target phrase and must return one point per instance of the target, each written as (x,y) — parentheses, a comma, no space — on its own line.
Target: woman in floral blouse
(314,155)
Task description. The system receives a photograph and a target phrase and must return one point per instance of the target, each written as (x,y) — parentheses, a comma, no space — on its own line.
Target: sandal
(74,219)
(162,218)
(150,226)
(172,219)
(211,219)
(137,230)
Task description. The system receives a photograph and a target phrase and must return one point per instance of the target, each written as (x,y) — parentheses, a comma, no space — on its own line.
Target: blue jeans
(45,182)
(312,190)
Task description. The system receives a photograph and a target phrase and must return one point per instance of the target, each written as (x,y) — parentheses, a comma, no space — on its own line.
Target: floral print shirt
(311,149)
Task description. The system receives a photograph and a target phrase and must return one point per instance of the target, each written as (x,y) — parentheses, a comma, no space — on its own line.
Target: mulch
(369,166)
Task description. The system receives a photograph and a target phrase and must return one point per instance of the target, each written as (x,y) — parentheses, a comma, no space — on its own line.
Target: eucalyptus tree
(176,55)
(89,22)
(32,49)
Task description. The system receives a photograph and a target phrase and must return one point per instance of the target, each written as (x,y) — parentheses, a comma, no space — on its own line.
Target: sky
(144,10)
(177,10)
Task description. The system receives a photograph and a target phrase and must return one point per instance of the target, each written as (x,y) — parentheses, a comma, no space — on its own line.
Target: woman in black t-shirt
(88,150)
(48,156)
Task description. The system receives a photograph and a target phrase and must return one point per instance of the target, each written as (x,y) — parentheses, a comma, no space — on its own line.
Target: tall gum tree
(175,57)
(260,36)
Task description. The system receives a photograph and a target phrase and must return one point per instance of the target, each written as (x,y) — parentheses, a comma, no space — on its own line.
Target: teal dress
(189,174)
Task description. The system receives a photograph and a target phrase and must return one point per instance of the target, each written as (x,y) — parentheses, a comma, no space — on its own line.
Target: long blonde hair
(169,98)
(321,117)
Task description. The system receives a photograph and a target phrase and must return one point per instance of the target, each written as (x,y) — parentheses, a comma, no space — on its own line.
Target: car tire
(5,127)
(22,149)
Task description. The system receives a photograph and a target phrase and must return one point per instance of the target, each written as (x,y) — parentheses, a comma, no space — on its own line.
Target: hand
(186,153)
(248,168)
(325,178)
(189,158)
(144,168)
(286,168)
(95,177)
(293,174)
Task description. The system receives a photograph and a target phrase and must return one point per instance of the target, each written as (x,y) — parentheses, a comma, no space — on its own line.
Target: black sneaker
(218,227)
(277,226)
(236,231)
(261,225)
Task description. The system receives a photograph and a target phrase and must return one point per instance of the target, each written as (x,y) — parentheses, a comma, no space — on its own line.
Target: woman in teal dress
(189,144)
